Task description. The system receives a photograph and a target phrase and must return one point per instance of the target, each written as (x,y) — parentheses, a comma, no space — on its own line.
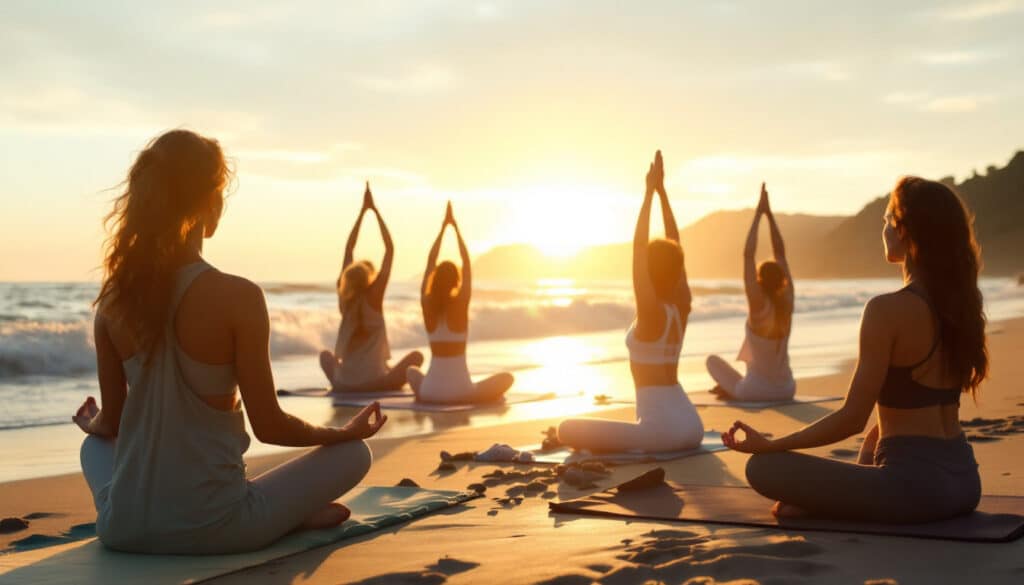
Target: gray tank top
(178,469)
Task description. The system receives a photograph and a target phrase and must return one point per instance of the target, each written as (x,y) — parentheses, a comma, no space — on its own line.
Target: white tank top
(660,351)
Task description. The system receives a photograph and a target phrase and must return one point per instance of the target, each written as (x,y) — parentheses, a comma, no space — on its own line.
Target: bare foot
(783,510)
(720,393)
(329,516)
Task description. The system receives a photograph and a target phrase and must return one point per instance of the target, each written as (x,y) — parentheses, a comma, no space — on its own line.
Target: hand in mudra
(366,422)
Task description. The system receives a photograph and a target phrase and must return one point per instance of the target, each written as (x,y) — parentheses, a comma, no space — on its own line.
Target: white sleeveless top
(660,351)
(442,333)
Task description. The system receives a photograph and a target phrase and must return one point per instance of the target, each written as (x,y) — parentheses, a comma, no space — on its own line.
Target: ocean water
(47,359)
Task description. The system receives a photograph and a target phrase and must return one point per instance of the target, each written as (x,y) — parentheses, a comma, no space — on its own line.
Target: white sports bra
(443,334)
(660,351)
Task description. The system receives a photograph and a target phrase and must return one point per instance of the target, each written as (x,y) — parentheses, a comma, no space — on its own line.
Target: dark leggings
(914,479)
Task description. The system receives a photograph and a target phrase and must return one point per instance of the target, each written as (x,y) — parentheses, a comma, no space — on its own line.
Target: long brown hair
(178,179)
(943,253)
(664,267)
(772,279)
(443,284)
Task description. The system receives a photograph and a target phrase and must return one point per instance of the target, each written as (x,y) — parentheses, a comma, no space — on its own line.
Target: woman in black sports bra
(921,347)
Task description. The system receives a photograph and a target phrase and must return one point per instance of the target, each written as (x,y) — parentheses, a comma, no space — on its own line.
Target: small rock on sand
(8,525)
(477,487)
(406,482)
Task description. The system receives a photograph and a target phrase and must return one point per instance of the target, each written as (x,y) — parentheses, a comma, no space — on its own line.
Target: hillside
(818,246)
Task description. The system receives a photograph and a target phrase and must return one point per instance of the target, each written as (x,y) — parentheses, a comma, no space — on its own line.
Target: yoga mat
(409,402)
(712,442)
(87,562)
(323,391)
(997,519)
(709,399)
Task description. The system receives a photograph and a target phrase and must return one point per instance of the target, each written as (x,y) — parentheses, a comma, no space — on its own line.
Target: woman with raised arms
(765,348)
(666,419)
(444,299)
(359,362)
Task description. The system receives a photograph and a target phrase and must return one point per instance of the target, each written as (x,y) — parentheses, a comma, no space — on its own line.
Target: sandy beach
(518,540)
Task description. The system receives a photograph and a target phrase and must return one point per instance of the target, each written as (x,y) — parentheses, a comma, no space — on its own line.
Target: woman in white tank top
(445,304)
(666,419)
(765,349)
(180,347)
(359,362)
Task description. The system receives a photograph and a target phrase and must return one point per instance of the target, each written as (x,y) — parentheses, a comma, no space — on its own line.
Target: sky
(537,119)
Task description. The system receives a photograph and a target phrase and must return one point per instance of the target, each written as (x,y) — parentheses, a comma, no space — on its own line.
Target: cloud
(427,78)
(826,70)
(967,12)
(956,104)
(954,57)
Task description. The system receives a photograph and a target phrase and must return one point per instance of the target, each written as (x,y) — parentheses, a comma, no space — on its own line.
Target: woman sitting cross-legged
(921,348)
(765,349)
(444,298)
(666,419)
(360,359)
(177,342)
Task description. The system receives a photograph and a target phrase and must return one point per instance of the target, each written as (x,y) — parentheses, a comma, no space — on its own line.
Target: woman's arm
(104,421)
(350,246)
(380,283)
(755,298)
(684,298)
(876,341)
(270,424)
(779,248)
(466,288)
(867,448)
(435,249)
(647,310)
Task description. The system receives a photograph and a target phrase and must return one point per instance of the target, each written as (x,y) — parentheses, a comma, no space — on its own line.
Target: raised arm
(435,249)
(380,283)
(755,298)
(466,288)
(684,297)
(350,245)
(668,218)
(778,247)
(647,310)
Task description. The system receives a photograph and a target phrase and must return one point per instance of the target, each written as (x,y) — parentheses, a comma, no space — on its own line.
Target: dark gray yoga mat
(997,519)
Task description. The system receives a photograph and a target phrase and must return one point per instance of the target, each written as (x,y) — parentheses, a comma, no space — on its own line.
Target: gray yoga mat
(712,442)
(323,391)
(709,399)
(87,562)
(409,402)
(997,519)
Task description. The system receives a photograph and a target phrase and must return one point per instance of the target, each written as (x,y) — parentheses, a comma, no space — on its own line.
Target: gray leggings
(914,479)
(288,494)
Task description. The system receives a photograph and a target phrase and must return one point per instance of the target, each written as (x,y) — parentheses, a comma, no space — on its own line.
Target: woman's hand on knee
(752,441)
(365,423)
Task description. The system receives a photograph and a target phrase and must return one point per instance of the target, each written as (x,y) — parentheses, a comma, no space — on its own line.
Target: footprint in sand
(678,555)
(430,575)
